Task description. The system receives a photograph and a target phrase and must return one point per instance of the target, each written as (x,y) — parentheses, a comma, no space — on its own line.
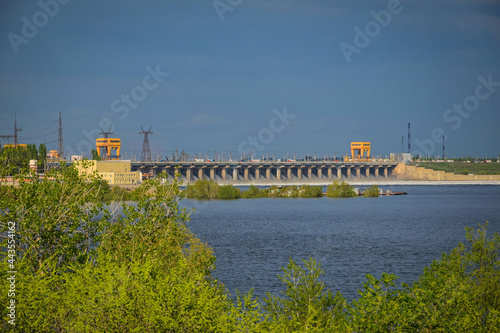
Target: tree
(254,192)
(55,217)
(95,155)
(228,192)
(42,156)
(372,192)
(305,305)
(202,189)
(81,269)
(340,190)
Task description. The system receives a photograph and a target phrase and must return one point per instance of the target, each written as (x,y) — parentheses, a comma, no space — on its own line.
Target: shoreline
(369,183)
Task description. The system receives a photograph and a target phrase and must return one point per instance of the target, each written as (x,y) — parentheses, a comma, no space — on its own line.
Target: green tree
(311,192)
(42,156)
(202,189)
(228,192)
(95,155)
(372,192)
(80,269)
(254,192)
(56,218)
(305,305)
(340,190)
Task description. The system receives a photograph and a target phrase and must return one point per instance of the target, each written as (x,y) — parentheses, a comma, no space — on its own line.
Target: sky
(276,77)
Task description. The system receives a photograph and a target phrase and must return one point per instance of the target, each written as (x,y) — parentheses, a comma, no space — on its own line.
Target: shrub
(202,189)
(372,192)
(228,192)
(140,271)
(254,192)
(305,306)
(311,192)
(340,190)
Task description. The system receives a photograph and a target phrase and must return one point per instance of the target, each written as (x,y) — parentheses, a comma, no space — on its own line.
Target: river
(254,238)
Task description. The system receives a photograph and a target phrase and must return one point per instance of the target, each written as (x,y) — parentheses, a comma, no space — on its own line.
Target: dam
(267,172)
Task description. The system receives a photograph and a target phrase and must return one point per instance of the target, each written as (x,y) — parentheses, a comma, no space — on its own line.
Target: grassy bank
(464,168)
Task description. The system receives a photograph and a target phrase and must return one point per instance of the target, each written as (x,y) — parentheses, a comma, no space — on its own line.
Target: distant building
(400,157)
(114,172)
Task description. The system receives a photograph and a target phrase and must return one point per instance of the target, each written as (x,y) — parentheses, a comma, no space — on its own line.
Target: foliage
(228,192)
(459,293)
(56,217)
(284,192)
(18,157)
(254,192)
(305,306)
(202,189)
(82,268)
(372,192)
(311,192)
(142,270)
(340,190)
(95,155)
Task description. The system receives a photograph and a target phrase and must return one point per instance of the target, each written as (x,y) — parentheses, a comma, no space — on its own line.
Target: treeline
(81,268)
(15,158)
(209,189)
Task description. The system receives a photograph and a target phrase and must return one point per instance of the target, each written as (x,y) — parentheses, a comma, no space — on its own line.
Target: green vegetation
(340,190)
(372,192)
(464,168)
(95,155)
(202,189)
(254,192)
(13,159)
(81,268)
(311,192)
(229,192)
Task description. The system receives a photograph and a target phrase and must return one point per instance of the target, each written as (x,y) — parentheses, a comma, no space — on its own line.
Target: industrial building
(114,172)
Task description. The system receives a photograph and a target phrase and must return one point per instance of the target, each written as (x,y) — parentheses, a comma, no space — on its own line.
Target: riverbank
(378,182)
(369,183)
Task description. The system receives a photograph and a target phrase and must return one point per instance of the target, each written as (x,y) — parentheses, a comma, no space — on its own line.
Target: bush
(228,192)
(311,192)
(340,190)
(202,189)
(372,192)
(254,192)
(140,271)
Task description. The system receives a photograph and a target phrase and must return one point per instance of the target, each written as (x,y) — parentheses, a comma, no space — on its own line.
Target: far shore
(369,183)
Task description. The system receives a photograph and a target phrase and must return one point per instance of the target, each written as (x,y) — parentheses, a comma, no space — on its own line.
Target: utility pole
(15,132)
(443,148)
(409,140)
(61,149)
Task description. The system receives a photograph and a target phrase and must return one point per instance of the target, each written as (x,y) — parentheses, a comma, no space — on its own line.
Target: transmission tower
(15,132)
(106,134)
(106,148)
(146,150)
(61,149)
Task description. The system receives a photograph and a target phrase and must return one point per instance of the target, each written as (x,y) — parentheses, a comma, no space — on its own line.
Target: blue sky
(225,77)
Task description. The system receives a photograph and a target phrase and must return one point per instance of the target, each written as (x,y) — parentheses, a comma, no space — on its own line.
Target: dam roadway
(269,172)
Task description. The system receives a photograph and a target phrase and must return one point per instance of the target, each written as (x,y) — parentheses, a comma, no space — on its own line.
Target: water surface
(254,238)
